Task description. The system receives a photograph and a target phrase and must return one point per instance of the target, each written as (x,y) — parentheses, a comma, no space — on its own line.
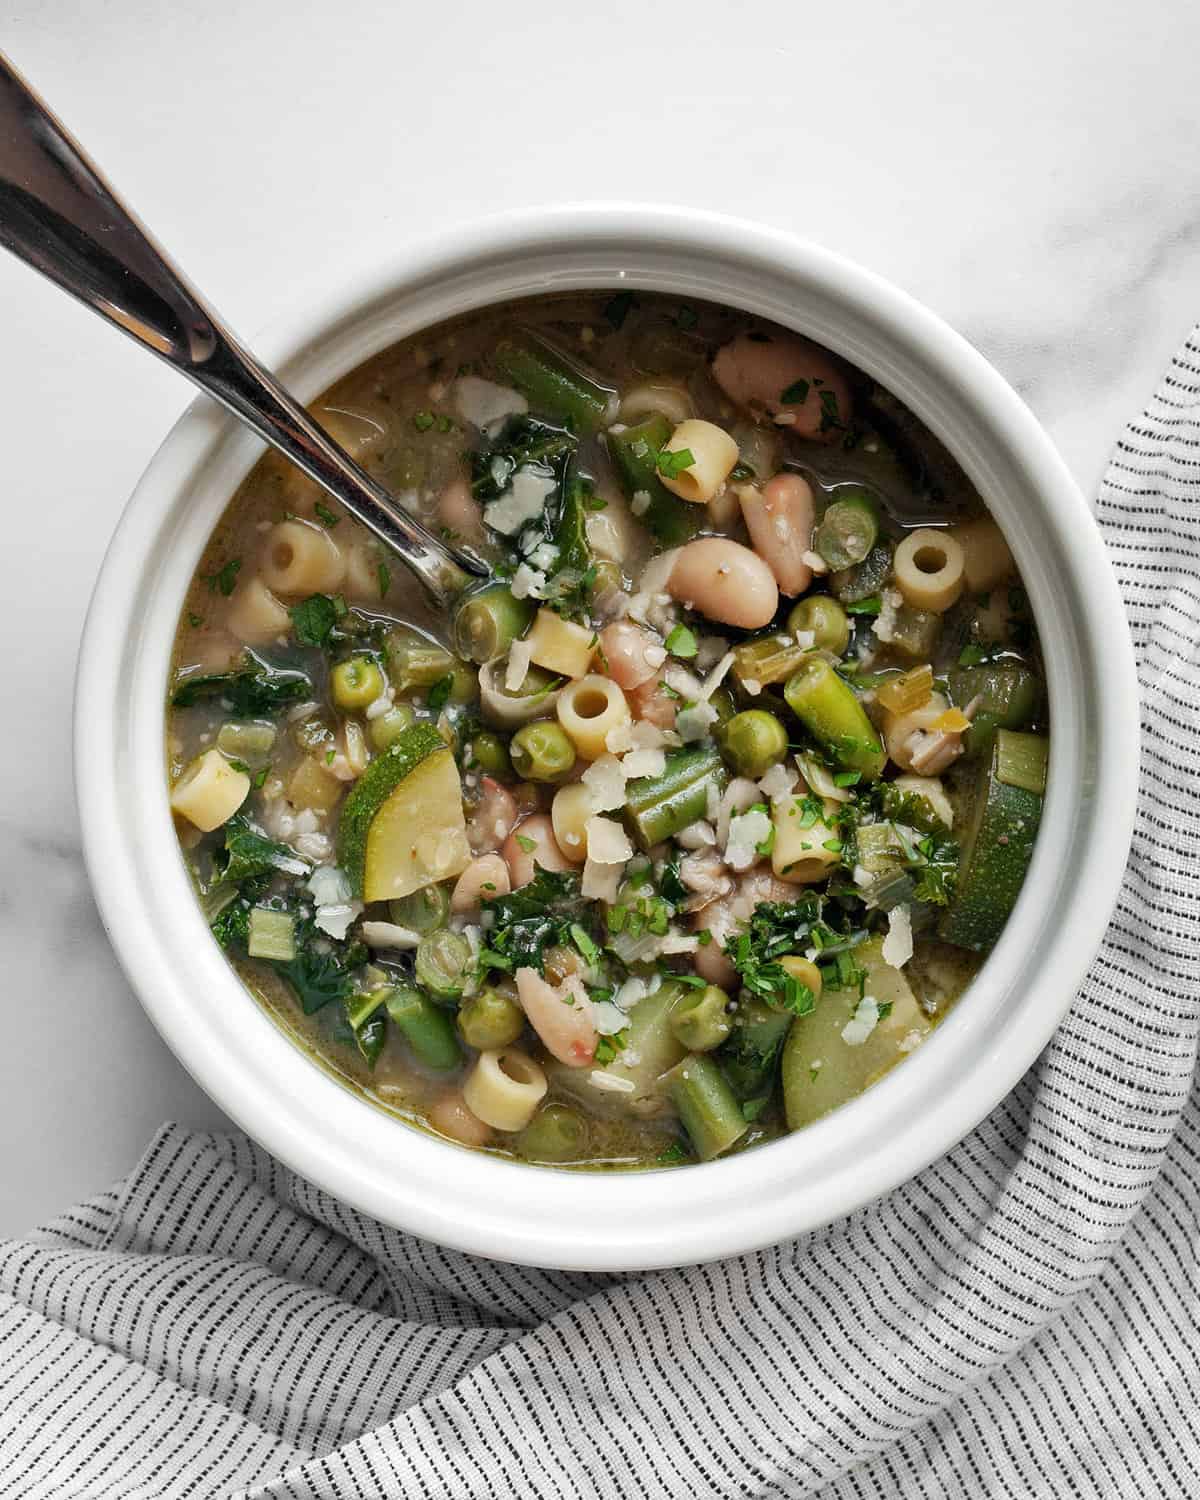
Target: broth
(695,818)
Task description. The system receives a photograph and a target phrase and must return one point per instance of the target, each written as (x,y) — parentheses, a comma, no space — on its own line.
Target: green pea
(754,741)
(356,682)
(442,964)
(542,751)
(423,911)
(489,621)
(825,618)
(700,1018)
(490,1020)
(388,727)
(556,1133)
(464,683)
(486,752)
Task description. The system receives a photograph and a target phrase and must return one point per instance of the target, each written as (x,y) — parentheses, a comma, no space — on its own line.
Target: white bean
(562,1017)
(485,876)
(544,851)
(725,581)
(624,646)
(779,518)
(451,1117)
(493,818)
(757,371)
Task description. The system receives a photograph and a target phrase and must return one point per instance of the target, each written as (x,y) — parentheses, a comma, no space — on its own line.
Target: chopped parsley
(871,605)
(195,621)
(608,1047)
(537,916)
(617,309)
(224,580)
(423,420)
(383,575)
(670,464)
(682,642)
(314,618)
(326,517)
(439,693)
(529,845)
(795,395)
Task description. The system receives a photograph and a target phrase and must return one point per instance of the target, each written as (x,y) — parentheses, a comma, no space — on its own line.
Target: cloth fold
(1022,1319)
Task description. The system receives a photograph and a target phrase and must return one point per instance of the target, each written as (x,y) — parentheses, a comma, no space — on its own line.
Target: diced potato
(559,645)
(210,791)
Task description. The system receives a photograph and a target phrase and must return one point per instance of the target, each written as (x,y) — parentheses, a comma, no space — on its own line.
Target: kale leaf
(258,690)
(529,920)
(322,970)
(248,853)
(523,442)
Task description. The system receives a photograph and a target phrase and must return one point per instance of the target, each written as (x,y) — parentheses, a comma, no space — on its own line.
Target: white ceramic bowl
(638,1220)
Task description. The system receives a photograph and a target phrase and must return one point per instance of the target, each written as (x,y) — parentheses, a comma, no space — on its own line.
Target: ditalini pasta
(686,823)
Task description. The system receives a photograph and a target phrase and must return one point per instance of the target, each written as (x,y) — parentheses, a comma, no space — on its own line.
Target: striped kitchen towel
(1023,1319)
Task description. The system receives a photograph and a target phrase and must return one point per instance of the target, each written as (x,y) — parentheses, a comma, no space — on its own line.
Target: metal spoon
(59,214)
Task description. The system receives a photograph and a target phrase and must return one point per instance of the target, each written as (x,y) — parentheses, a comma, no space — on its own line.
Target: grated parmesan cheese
(640,503)
(522,502)
(600,882)
(527,583)
(694,723)
(897,946)
(644,763)
(605,780)
(482,402)
(746,831)
(862,1023)
(778,783)
(389,935)
(607,841)
(520,655)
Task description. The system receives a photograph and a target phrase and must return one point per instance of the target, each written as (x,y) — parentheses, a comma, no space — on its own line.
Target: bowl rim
(622,1221)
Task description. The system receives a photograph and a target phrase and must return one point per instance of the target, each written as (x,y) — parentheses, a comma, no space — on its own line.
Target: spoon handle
(59,215)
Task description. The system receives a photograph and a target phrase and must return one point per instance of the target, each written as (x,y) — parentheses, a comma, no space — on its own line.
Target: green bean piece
(443,963)
(423,911)
(828,709)
(915,632)
(849,528)
(753,742)
(388,727)
(488,754)
(428,1031)
(750,1055)
(464,683)
(554,385)
(706,1106)
(634,454)
(248,742)
(657,807)
(356,682)
(557,1133)
(490,1020)
(489,621)
(542,751)
(853,585)
(1008,696)
(825,619)
(767,659)
(414,662)
(700,1019)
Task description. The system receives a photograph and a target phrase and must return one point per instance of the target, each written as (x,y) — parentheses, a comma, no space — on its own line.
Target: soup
(694,817)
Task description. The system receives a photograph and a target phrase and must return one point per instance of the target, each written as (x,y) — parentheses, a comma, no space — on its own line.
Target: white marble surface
(1029,170)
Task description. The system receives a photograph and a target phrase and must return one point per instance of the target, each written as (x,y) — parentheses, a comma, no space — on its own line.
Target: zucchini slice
(402,826)
(997,846)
